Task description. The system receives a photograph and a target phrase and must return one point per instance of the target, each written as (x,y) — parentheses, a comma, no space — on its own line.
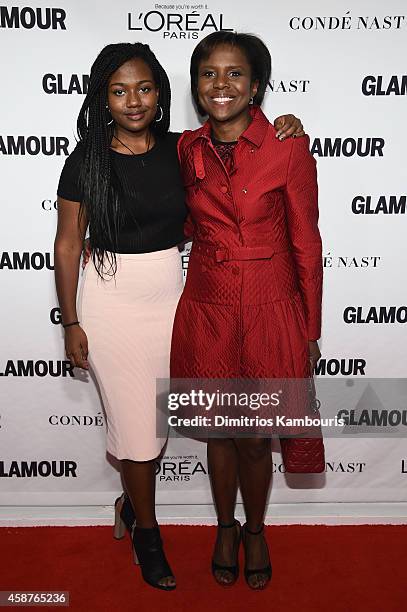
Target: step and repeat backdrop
(341,68)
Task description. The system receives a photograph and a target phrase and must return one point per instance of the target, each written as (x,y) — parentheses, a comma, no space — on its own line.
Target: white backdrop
(322,56)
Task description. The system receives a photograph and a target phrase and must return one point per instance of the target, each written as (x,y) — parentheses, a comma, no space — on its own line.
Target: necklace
(131,150)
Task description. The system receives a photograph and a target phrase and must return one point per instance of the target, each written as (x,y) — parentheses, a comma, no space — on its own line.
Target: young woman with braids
(123,182)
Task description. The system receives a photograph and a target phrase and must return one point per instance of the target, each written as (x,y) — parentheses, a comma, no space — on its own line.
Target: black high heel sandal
(124,516)
(149,554)
(265,571)
(232,569)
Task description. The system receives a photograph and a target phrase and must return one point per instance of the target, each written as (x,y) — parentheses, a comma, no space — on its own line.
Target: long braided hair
(98,183)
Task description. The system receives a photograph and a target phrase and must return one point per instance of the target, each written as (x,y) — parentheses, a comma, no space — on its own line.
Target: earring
(161,115)
(251,100)
(111,121)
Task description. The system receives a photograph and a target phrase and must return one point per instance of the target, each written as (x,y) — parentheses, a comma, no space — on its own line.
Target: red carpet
(329,569)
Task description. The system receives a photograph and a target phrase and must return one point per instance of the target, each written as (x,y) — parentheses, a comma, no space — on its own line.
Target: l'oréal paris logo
(182,22)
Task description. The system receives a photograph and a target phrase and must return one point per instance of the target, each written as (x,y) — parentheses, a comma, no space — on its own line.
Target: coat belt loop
(198,160)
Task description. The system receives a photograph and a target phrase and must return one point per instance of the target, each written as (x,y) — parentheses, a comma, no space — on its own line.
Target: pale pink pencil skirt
(128,321)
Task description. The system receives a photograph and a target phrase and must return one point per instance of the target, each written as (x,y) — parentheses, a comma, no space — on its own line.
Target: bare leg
(222,465)
(255,471)
(139,481)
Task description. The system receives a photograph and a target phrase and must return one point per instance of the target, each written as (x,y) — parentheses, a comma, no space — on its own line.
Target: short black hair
(255,50)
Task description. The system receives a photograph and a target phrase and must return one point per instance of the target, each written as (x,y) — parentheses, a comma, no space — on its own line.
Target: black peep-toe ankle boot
(149,554)
(124,516)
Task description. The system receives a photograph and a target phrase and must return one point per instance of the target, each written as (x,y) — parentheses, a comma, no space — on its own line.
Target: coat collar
(254,133)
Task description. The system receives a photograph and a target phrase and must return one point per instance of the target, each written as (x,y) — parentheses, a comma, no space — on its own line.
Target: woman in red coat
(251,306)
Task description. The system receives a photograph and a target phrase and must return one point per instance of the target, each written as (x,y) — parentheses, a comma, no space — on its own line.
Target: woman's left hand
(314,354)
(288,125)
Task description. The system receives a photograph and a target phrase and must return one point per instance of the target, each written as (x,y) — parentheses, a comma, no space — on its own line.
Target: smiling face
(225,84)
(132,96)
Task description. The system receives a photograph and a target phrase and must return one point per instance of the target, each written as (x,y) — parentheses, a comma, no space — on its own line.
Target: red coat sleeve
(188,224)
(302,217)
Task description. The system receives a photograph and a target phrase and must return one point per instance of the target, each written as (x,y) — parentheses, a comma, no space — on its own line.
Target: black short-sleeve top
(153,207)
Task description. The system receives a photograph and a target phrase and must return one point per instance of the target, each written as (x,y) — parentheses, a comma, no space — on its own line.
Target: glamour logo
(386,205)
(177,25)
(292,86)
(352,366)
(26,261)
(185,262)
(59,84)
(49,205)
(347,261)
(33,469)
(373,418)
(34,145)
(374,86)
(85,420)
(375,314)
(180,469)
(28,17)
(349,22)
(55,316)
(41,368)
(350,467)
(347,147)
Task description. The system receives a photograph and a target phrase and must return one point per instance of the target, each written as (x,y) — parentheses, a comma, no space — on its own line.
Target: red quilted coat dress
(252,297)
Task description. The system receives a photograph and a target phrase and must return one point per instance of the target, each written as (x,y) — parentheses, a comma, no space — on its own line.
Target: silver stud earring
(251,100)
(161,113)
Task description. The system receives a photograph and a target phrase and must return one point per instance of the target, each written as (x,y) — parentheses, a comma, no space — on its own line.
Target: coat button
(241,219)
(244,190)
(224,189)
(235,270)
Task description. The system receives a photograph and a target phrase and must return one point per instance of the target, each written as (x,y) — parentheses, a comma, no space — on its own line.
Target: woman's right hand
(86,253)
(76,347)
